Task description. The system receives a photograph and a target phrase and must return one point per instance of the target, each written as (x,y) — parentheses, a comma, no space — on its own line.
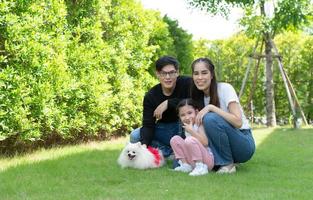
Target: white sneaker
(199,170)
(227,169)
(183,167)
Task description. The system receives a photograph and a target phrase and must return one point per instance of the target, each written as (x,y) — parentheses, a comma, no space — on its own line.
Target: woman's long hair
(197,94)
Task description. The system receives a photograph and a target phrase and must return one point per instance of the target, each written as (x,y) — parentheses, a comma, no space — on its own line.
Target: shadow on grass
(81,175)
(280,169)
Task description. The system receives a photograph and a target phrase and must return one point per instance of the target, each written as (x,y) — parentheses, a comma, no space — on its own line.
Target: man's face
(168,76)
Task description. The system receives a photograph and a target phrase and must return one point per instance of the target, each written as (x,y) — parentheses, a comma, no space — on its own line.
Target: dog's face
(131,154)
(133,150)
(136,155)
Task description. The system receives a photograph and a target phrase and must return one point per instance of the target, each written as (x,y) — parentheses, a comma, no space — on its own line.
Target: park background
(74,71)
(73,74)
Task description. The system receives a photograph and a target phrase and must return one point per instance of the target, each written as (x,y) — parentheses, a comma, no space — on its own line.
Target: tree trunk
(270,102)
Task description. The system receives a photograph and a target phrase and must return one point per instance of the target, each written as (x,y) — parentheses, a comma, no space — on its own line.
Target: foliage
(219,7)
(231,58)
(81,68)
(35,69)
(286,14)
(72,68)
(161,40)
(296,51)
(183,45)
(260,22)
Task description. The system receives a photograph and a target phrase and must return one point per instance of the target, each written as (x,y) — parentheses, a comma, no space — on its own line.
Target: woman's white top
(226,95)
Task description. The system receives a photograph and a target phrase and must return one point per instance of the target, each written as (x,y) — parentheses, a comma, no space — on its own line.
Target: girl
(193,153)
(224,122)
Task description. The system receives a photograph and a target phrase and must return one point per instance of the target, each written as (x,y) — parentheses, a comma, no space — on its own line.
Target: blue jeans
(228,144)
(162,136)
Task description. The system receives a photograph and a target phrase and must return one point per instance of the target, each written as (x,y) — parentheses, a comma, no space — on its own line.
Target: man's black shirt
(153,98)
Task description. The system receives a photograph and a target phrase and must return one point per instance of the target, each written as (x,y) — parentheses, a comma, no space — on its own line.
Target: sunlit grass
(261,134)
(280,169)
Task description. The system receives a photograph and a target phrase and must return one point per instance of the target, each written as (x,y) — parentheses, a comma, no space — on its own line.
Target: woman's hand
(233,116)
(201,113)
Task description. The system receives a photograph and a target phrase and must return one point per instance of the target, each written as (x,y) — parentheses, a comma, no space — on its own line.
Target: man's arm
(183,91)
(148,121)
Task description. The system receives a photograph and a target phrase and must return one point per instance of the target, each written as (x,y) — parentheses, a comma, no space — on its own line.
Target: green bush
(72,68)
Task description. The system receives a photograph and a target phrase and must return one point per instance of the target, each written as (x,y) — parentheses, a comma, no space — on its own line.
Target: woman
(225,124)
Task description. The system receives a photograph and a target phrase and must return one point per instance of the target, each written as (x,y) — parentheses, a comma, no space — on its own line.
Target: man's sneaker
(199,170)
(183,167)
(228,169)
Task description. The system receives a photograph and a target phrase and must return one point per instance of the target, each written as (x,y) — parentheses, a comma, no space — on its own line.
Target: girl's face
(202,77)
(187,114)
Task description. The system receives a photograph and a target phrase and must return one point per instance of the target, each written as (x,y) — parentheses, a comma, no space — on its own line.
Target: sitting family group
(196,119)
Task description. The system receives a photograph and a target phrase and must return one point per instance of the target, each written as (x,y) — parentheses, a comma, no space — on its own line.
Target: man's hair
(166,60)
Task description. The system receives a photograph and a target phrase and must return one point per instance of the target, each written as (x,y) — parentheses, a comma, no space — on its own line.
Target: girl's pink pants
(192,151)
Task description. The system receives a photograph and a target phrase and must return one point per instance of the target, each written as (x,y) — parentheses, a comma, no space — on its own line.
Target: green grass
(280,169)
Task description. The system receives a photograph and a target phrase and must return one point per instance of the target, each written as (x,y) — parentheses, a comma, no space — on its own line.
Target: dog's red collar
(156,154)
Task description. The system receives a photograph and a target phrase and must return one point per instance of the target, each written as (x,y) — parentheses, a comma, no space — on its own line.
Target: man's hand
(160,109)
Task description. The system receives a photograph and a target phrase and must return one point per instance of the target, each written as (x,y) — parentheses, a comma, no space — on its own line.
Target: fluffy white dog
(137,156)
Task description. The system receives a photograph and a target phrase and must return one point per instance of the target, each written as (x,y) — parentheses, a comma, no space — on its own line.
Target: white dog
(138,156)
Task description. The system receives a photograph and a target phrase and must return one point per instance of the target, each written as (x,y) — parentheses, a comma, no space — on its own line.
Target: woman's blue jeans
(163,133)
(228,144)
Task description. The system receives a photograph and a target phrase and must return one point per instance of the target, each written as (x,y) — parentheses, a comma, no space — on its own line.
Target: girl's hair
(197,94)
(187,102)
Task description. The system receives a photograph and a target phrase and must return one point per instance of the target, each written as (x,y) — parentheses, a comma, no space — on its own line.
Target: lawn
(280,169)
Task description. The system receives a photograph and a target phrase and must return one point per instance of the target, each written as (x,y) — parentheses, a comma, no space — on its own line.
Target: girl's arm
(199,134)
(233,116)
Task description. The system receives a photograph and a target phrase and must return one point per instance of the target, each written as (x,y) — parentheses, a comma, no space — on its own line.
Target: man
(160,121)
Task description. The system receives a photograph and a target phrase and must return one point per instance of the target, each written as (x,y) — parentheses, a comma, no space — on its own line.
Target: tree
(182,43)
(160,39)
(260,22)
(232,54)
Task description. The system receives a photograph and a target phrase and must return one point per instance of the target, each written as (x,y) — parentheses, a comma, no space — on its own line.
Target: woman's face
(202,77)
(187,114)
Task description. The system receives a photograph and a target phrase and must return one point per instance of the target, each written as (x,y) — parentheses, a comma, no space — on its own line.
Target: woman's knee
(213,125)
(212,120)
(245,155)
